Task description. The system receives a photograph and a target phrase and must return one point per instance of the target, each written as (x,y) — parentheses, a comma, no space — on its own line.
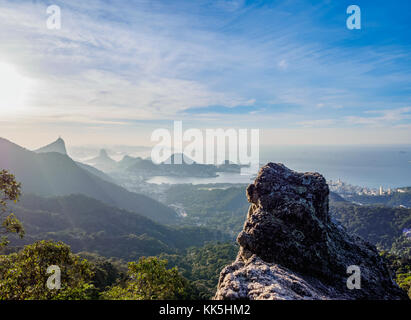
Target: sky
(117,70)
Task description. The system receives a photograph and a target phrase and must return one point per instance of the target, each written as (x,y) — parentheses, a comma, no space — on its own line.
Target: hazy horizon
(113,74)
(36,144)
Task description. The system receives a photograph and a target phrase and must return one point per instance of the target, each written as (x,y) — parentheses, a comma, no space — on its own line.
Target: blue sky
(119,69)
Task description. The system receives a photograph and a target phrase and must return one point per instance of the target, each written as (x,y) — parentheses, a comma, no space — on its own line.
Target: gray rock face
(291,249)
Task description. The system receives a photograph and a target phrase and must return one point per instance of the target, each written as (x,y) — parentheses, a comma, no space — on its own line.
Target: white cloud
(91,67)
(149,60)
(317,123)
(384,118)
(283,64)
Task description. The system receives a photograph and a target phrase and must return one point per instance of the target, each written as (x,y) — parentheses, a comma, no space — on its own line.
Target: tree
(202,266)
(9,191)
(404,282)
(399,261)
(23,275)
(149,279)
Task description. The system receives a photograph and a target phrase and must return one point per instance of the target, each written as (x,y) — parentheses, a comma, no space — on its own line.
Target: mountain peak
(58,146)
(179,158)
(103,153)
(103,161)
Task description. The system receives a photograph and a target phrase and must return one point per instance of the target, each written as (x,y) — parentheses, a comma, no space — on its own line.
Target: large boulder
(290,248)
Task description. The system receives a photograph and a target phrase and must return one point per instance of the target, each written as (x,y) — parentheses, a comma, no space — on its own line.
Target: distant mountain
(90,225)
(228,166)
(183,164)
(146,168)
(55,174)
(103,162)
(127,161)
(57,146)
(179,158)
(176,165)
(95,171)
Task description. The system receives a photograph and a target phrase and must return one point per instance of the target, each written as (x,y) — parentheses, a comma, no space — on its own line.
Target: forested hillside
(202,265)
(109,238)
(378,224)
(87,224)
(216,206)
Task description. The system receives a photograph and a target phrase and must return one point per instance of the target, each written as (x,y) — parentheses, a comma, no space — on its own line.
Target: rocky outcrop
(57,146)
(290,248)
(103,162)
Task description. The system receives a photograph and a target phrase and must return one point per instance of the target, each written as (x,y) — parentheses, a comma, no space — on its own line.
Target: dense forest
(90,225)
(377,224)
(217,206)
(111,253)
(189,274)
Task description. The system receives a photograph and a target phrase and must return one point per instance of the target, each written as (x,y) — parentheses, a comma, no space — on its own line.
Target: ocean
(369,166)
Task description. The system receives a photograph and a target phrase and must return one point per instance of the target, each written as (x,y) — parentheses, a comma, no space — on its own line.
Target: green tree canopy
(23,275)
(9,191)
(149,279)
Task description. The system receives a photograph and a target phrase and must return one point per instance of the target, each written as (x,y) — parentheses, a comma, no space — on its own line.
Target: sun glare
(13,89)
